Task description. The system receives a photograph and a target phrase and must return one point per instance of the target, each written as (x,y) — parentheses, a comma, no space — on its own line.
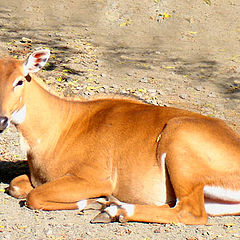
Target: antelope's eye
(19,83)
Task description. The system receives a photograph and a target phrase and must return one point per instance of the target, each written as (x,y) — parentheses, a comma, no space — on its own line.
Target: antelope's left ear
(36,61)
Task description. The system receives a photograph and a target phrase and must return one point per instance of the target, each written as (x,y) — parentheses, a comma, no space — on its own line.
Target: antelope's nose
(3,123)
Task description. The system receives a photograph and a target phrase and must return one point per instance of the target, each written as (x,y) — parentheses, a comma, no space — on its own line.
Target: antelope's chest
(39,169)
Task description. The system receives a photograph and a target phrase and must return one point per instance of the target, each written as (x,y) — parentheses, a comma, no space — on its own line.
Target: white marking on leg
(18,116)
(177,201)
(102,200)
(82,204)
(16,190)
(216,209)
(112,210)
(163,157)
(221,193)
(129,208)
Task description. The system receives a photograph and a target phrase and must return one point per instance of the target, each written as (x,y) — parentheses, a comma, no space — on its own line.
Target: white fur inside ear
(18,116)
(36,61)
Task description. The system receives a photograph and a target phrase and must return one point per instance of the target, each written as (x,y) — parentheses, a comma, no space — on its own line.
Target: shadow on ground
(10,170)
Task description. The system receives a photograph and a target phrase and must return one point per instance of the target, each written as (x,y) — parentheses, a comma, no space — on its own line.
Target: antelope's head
(14,75)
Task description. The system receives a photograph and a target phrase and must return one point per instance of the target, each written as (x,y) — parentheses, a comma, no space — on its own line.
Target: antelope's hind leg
(184,170)
(188,210)
(196,152)
(189,207)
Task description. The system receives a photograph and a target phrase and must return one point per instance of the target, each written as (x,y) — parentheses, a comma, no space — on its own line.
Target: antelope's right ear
(36,61)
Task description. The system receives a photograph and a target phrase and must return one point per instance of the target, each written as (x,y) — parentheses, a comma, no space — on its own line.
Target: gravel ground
(185,55)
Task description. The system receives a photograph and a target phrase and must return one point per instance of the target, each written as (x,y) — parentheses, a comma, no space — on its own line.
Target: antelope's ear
(36,61)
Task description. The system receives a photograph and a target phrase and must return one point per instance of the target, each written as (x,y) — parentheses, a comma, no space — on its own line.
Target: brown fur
(81,149)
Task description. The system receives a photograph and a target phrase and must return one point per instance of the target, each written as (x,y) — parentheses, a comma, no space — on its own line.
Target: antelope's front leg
(66,193)
(20,186)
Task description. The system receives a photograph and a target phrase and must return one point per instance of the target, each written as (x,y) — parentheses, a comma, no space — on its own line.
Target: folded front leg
(20,186)
(65,193)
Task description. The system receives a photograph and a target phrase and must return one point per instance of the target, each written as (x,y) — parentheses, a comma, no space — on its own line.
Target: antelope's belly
(149,186)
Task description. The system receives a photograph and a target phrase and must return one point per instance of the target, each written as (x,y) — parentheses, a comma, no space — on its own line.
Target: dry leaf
(165,15)
(208,2)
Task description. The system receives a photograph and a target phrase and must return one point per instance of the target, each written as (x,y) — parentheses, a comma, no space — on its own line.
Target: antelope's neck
(46,116)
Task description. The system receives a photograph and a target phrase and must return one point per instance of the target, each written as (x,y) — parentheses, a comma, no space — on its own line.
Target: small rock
(211,94)
(198,88)
(86,93)
(114,86)
(105,87)
(101,90)
(158,230)
(183,96)
(123,91)
(25,40)
(103,75)
(48,232)
(236,82)
(152,90)
(144,80)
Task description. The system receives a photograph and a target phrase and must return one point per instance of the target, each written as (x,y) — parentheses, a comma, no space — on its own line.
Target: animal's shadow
(10,170)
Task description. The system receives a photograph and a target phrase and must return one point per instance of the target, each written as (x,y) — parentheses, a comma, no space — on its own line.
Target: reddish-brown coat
(103,147)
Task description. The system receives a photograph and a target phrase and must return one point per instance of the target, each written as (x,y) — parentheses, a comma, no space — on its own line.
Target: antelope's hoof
(102,217)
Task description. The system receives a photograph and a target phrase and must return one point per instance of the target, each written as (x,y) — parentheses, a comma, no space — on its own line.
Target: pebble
(144,80)
(198,88)
(25,40)
(211,94)
(103,75)
(123,91)
(101,89)
(113,86)
(105,87)
(48,232)
(152,90)
(86,93)
(236,82)
(183,96)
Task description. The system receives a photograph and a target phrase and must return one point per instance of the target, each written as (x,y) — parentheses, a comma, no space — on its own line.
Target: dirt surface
(167,52)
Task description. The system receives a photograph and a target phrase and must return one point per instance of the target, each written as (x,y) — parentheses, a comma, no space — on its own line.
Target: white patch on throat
(18,116)
(23,144)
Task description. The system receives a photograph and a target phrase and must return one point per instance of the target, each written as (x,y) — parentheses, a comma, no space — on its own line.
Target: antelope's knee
(34,201)
(19,187)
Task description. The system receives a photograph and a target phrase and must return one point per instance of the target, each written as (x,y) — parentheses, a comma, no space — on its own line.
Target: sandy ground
(181,54)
